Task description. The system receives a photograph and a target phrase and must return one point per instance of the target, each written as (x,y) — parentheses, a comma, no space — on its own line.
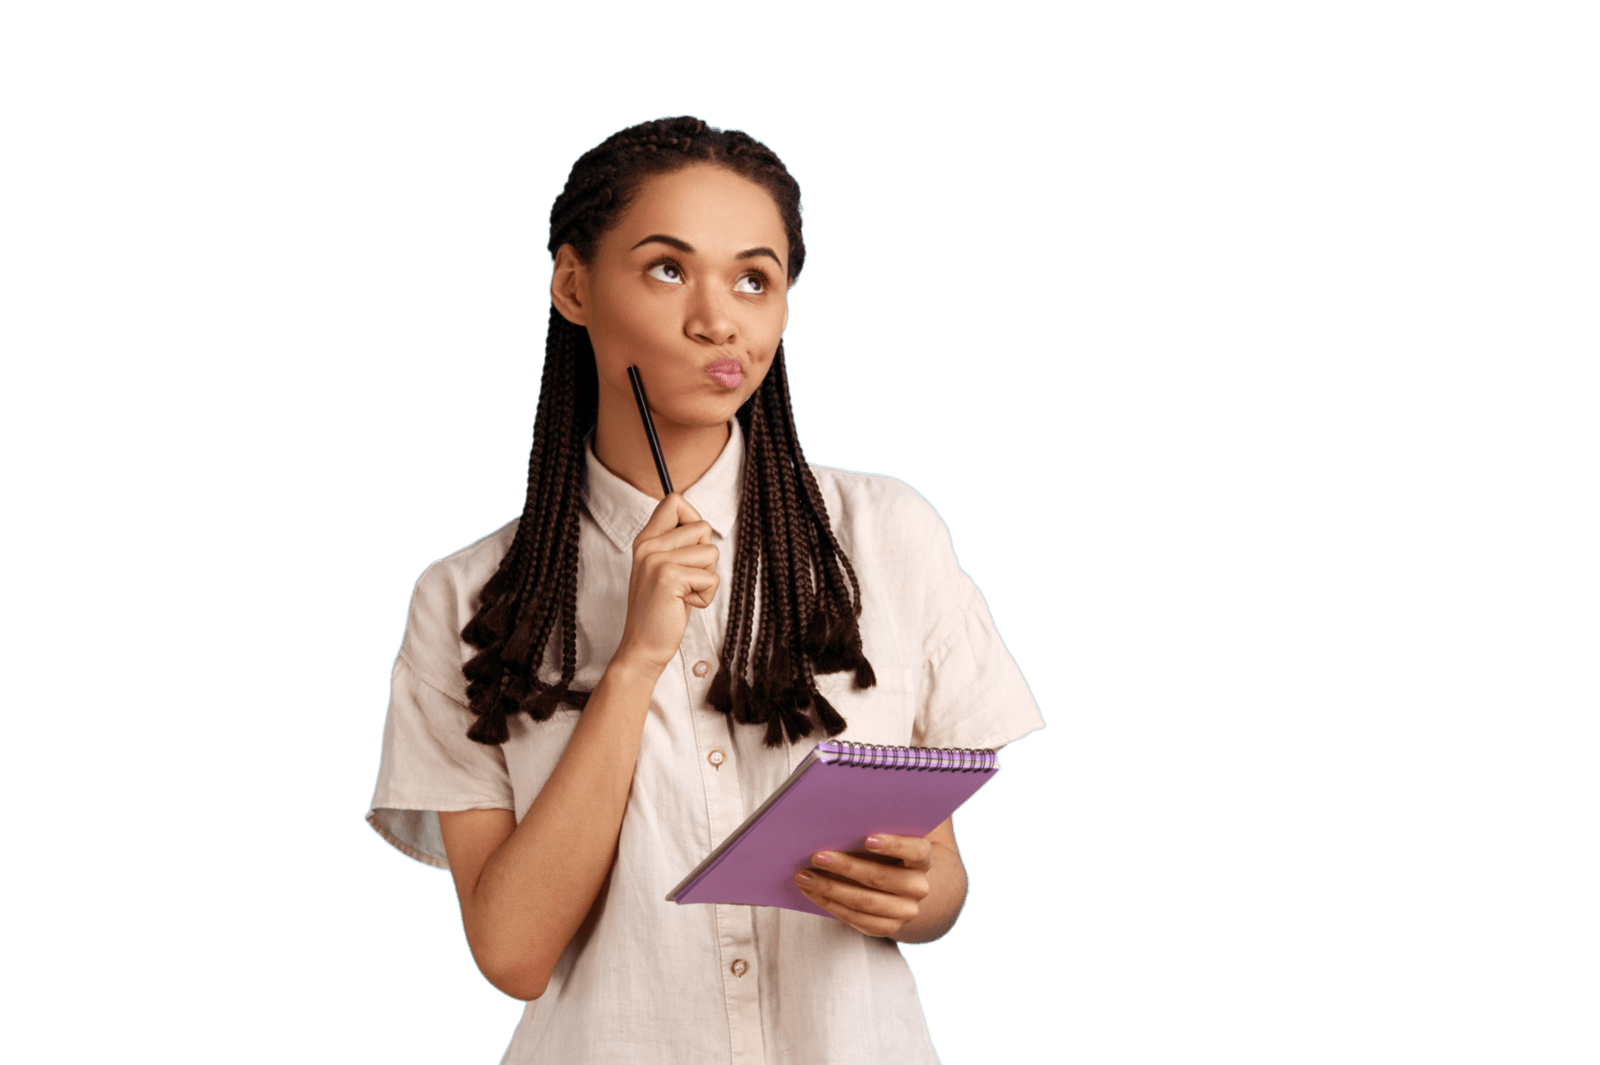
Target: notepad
(833,800)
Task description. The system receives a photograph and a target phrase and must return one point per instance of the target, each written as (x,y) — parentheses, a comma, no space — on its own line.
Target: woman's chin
(702,412)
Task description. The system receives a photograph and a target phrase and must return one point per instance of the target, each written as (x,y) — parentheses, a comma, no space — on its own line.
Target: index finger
(671,512)
(913,851)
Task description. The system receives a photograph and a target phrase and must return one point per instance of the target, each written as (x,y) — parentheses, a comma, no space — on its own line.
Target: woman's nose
(711,318)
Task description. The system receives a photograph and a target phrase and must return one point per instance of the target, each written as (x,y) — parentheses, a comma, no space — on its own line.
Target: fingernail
(803,879)
(821,858)
(874,842)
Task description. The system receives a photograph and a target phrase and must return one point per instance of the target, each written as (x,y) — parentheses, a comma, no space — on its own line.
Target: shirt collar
(621,510)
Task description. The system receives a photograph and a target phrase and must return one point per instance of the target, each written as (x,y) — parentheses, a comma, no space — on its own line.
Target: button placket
(741,983)
(724,811)
(724,800)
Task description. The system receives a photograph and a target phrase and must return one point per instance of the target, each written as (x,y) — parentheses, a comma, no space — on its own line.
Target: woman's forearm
(947,891)
(525,888)
(539,884)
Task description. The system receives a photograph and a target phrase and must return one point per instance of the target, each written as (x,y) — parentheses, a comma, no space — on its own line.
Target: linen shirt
(649,980)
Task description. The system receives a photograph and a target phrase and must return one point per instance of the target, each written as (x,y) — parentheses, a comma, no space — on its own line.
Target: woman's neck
(622,447)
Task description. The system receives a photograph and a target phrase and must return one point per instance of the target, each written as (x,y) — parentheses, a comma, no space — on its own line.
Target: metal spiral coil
(919,759)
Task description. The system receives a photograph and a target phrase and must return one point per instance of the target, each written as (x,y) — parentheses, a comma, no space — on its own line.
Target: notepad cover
(839,795)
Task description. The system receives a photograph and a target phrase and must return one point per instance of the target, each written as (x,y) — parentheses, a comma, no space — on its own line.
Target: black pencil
(650,430)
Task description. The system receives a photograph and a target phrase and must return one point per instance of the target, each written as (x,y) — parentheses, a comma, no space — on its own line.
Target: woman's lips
(726,372)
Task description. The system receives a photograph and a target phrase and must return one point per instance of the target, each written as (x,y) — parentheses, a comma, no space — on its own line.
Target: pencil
(650,430)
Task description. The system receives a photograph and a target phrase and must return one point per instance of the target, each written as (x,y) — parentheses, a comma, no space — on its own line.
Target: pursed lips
(726,372)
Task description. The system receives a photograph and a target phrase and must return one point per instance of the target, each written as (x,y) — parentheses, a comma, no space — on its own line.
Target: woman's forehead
(712,209)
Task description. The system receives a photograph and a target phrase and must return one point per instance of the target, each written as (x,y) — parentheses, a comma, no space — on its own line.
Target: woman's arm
(525,888)
(915,900)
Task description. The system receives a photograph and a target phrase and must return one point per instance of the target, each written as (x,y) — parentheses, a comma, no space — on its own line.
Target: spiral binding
(919,759)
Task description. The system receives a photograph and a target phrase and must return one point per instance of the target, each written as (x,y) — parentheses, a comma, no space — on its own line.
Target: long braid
(793,611)
(797,579)
(774,659)
(521,604)
(730,691)
(843,610)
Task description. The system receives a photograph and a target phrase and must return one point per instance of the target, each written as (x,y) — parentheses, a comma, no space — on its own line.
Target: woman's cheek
(760,366)
(640,328)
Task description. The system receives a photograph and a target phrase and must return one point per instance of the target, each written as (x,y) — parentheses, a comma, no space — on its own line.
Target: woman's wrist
(631,674)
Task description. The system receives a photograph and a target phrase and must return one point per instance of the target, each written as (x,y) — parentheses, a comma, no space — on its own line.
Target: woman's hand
(674,568)
(913,898)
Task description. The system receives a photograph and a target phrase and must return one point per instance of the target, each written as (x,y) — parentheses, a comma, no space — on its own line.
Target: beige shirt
(646,979)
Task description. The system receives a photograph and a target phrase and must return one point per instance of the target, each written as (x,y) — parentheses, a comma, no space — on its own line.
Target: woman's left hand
(873,897)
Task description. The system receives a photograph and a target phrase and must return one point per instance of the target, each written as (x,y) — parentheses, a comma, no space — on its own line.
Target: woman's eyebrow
(662,238)
(753,252)
(686,247)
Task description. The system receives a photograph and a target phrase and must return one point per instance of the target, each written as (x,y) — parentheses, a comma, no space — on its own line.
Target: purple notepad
(839,795)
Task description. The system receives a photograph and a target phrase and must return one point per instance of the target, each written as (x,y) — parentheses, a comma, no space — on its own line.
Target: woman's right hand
(674,568)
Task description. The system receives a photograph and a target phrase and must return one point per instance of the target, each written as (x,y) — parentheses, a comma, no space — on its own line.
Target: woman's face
(690,287)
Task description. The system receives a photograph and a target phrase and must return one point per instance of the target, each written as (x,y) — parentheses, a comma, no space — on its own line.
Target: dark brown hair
(809,601)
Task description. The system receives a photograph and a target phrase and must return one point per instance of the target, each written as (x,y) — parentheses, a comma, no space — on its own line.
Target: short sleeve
(428,764)
(971,693)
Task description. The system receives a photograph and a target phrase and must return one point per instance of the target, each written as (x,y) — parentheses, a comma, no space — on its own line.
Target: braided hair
(809,601)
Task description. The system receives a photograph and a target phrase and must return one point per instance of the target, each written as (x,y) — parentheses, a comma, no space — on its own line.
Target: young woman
(589,699)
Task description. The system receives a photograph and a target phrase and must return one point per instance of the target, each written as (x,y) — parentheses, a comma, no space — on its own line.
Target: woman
(589,699)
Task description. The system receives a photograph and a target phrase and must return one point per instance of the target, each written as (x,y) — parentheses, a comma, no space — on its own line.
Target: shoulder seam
(417,672)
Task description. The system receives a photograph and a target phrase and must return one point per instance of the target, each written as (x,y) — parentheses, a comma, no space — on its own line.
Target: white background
(1248,351)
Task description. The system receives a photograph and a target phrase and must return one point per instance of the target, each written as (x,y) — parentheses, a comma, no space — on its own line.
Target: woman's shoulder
(483,554)
(471,566)
(446,598)
(872,502)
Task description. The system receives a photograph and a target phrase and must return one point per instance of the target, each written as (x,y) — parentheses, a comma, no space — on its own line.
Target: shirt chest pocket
(880,714)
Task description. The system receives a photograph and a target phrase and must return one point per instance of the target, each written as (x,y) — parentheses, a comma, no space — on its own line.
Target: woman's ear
(569,286)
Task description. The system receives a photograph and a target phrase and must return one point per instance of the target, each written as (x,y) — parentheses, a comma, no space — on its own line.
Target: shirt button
(716,758)
(702,668)
(739,967)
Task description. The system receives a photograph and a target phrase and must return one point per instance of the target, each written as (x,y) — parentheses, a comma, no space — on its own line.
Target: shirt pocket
(881,714)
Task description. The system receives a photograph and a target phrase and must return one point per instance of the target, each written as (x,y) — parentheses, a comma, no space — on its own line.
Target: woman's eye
(754,284)
(667,272)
